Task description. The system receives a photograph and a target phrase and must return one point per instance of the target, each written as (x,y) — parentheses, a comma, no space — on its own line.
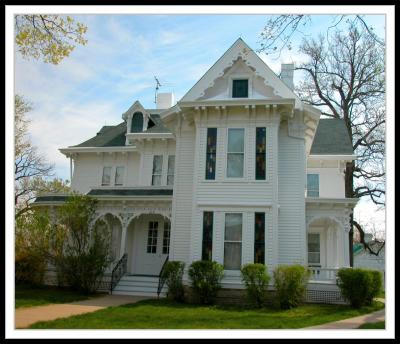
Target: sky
(98,82)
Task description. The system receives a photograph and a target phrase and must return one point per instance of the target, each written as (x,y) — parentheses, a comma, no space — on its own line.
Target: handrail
(161,278)
(118,271)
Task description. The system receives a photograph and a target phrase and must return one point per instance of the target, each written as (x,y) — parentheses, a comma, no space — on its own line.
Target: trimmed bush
(172,274)
(206,279)
(291,284)
(359,286)
(255,278)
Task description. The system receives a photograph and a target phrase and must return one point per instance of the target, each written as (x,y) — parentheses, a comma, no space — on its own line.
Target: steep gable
(240,62)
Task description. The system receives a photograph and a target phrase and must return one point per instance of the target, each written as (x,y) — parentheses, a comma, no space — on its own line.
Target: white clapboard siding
(291,222)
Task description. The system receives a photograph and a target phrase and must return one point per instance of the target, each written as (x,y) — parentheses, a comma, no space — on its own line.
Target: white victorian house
(239,170)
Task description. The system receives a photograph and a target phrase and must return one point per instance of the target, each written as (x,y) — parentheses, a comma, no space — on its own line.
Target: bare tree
(345,78)
(29,165)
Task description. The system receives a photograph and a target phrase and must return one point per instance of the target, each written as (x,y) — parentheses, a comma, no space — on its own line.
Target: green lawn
(376,325)
(165,314)
(27,296)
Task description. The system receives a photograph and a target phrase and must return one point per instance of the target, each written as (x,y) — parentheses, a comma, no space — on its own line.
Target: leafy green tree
(84,247)
(50,38)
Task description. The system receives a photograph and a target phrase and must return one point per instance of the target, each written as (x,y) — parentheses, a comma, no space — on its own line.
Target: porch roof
(131,192)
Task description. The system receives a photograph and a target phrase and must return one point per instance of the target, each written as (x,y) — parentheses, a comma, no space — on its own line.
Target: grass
(28,296)
(376,325)
(165,314)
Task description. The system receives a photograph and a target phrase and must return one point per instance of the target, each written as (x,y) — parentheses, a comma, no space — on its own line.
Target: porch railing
(118,271)
(323,274)
(161,278)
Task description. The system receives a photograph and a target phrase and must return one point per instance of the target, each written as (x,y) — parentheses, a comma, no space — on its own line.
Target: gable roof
(240,49)
(331,137)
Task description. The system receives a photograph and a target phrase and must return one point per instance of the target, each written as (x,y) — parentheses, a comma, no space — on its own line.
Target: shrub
(359,286)
(206,277)
(291,284)
(83,251)
(31,246)
(172,274)
(256,280)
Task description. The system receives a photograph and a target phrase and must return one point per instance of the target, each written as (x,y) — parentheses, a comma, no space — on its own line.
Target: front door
(152,246)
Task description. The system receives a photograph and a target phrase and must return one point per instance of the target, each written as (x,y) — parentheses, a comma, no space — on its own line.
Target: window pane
(235,140)
(171,164)
(232,256)
(152,237)
(211,153)
(208,217)
(235,165)
(240,88)
(166,238)
(137,122)
(170,180)
(312,185)
(156,180)
(119,175)
(233,227)
(157,164)
(106,176)
(313,248)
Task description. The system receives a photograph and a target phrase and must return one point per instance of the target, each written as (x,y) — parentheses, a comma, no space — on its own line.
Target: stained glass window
(259,238)
(211,153)
(240,88)
(208,217)
(260,153)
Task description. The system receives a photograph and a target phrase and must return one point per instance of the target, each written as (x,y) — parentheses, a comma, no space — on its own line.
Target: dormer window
(240,88)
(137,123)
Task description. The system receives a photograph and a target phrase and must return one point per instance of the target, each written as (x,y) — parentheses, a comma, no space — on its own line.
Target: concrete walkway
(25,317)
(352,323)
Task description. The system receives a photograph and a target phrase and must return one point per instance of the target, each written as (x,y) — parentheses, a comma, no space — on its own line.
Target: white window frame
(168,174)
(168,223)
(319,264)
(122,175)
(247,77)
(152,237)
(230,241)
(317,174)
(161,173)
(102,176)
(226,178)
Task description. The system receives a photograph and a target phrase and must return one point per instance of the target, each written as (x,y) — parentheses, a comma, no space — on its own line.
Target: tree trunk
(349,193)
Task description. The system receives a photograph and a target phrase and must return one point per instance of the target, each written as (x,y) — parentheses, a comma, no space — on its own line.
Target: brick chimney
(287,70)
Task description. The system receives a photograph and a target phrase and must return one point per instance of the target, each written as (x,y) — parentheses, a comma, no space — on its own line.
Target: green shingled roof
(331,137)
(108,136)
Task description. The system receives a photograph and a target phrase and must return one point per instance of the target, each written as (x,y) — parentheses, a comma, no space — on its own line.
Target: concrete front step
(138,285)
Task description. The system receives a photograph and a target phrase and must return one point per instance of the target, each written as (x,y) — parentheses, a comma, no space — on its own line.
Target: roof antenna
(158,85)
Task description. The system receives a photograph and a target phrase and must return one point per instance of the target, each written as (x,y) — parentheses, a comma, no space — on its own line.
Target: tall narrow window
(233,242)
(235,153)
(260,153)
(157,170)
(259,238)
(240,88)
(211,154)
(312,185)
(171,170)
(119,175)
(208,217)
(314,249)
(166,237)
(137,123)
(106,179)
(152,237)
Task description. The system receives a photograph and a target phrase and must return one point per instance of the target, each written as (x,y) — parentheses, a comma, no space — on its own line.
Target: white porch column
(123,240)
(329,247)
(346,247)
